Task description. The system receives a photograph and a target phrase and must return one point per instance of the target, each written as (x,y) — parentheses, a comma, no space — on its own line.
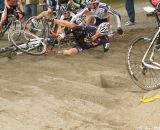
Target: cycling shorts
(98,21)
(82,46)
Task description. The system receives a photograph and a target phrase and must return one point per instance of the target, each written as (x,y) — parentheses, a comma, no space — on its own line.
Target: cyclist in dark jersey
(88,37)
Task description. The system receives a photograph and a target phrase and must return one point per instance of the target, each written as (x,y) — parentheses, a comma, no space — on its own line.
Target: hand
(60,37)
(120,31)
(96,35)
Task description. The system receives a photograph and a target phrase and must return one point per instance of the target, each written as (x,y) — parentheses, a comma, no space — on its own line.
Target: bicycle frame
(152,64)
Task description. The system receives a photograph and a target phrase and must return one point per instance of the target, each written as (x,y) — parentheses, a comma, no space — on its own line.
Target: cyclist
(51,5)
(82,33)
(10,6)
(101,12)
(88,37)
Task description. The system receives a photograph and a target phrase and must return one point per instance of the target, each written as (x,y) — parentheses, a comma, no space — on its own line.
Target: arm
(117,15)
(20,5)
(83,12)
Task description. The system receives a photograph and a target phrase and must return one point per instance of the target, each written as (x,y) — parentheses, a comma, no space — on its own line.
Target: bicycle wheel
(144,77)
(28,42)
(38,27)
(15,25)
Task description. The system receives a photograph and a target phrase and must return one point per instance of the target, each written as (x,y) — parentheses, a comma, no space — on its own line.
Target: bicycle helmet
(104,28)
(64,8)
(91,1)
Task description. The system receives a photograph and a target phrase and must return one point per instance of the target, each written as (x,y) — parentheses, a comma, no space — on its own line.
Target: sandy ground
(91,91)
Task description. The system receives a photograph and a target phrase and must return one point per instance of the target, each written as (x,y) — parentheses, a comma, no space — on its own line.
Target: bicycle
(41,27)
(27,42)
(143,58)
(12,23)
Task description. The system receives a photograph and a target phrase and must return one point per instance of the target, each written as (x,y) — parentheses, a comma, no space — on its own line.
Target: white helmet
(91,1)
(104,28)
(63,8)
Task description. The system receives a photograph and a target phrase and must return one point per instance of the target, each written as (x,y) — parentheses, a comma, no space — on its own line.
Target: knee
(70,52)
(90,19)
(49,10)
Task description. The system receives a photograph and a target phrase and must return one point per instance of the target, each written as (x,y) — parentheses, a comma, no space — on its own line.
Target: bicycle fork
(152,64)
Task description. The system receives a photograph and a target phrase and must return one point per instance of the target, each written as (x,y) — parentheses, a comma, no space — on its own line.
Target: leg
(27,11)
(90,20)
(4,16)
(45,14)
(130,10)
(42,14)
(33,9)
(65,23)
(70,52)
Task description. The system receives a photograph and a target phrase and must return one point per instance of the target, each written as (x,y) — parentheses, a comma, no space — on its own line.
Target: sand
(91,91)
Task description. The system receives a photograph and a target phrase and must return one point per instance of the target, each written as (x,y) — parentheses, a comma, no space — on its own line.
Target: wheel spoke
(144,77)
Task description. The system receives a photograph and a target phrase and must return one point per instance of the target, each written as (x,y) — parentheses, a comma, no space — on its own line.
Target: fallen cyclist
(86,37)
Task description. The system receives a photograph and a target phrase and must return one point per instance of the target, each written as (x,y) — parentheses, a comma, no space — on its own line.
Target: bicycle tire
(144,77)
(32,45)
(16,25)
(43,28)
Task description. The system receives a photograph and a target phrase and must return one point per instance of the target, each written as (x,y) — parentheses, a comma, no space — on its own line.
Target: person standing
(30,8)
(1,4)
(129,4)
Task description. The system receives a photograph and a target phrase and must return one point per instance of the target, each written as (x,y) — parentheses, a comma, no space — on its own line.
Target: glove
(120,31)
(82,6)
(60,37)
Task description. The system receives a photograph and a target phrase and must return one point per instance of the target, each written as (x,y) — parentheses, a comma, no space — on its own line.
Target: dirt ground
(91,91)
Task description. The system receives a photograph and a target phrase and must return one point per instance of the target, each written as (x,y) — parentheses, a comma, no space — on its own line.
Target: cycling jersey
(82,35)
(12,2)
(102,12)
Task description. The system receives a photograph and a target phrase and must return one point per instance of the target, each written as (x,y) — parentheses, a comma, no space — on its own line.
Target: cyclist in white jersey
(100,11)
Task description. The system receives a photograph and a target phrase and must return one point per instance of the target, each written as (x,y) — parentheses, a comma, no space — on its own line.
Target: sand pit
(91,91)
